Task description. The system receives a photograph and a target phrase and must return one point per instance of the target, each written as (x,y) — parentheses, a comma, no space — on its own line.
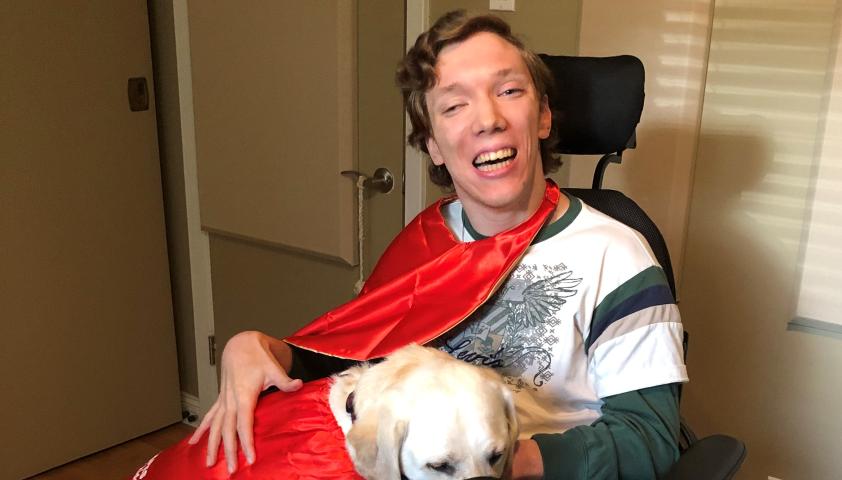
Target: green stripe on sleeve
(652,276)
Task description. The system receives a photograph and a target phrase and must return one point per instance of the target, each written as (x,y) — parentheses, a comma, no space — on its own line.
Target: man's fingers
(229,435)
(284,383)
(204,425)
(245,426)
(213,441)
(291,386)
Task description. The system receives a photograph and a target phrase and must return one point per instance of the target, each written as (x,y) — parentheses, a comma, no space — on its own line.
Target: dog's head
(426,415)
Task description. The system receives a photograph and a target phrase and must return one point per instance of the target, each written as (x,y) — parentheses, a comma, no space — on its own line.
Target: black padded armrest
(717,457)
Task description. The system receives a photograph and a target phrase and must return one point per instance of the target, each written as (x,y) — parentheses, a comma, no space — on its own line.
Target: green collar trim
(547,231)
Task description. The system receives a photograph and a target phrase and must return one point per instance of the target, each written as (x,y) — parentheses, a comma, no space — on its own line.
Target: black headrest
(597,102)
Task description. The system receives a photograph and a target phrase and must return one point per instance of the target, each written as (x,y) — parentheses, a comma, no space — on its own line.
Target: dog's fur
(426,415)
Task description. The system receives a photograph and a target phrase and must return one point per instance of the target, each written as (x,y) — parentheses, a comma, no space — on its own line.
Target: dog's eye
(442,467)
(494,458)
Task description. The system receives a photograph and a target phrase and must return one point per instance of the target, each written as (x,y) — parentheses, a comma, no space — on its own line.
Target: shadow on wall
(736,303)
(765,95)
(749,376)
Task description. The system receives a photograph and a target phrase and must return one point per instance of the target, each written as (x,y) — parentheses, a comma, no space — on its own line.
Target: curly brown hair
(416,75)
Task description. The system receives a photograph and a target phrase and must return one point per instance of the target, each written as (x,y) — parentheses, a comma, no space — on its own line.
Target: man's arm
(636,437)
(308,365)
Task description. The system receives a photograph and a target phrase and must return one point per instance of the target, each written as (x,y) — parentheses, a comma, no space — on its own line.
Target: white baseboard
(190,403)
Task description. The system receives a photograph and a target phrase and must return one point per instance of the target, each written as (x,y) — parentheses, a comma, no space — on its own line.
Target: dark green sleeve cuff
(308,365)
(564,455)
(636,437)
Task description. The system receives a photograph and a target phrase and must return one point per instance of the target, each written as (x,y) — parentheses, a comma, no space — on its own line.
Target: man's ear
(435,153)
(545,118)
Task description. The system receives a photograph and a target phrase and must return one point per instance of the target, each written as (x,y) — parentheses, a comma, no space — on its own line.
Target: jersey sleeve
(633,336)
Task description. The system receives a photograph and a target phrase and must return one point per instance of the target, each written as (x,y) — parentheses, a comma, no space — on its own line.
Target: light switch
(502,5)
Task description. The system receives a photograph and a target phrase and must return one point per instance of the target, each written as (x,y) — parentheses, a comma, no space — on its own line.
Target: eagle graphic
(513,331)
(530,304)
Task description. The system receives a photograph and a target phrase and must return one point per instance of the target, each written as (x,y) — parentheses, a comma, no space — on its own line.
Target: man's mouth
(490,161)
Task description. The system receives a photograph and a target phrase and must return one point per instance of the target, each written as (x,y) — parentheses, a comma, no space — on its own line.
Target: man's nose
(488,117)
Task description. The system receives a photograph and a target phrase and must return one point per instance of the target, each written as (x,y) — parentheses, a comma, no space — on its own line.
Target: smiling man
(567,304)
(487,120)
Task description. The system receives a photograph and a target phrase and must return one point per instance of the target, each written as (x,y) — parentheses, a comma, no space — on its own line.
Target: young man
(582,326)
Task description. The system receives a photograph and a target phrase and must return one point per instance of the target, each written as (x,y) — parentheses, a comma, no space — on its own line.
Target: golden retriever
(422,414)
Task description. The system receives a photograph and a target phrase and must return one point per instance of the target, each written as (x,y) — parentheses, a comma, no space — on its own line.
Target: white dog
(422,414)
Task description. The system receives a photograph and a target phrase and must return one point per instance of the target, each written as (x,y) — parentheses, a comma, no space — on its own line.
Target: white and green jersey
(585,315)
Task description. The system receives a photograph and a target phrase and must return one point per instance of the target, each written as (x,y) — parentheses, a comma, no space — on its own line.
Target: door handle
(382,181)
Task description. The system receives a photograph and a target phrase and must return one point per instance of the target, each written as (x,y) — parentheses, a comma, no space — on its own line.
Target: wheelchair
(596,108)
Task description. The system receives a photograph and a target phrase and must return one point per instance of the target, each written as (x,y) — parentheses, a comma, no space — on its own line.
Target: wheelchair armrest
(711,458)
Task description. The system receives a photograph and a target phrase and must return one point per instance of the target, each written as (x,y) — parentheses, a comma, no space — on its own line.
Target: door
(88,351)
(286,96)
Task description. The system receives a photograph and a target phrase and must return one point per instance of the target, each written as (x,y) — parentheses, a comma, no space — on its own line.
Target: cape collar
(425,284)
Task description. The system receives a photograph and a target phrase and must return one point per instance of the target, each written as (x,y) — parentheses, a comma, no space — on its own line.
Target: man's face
(487,121)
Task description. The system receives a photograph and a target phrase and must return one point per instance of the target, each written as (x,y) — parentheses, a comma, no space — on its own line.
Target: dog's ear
(375,442)
(361,441)
(390,437)
(511,423)
(508,404)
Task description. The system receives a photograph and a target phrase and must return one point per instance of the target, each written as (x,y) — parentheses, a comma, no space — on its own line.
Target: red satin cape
(295,438)
(425,283)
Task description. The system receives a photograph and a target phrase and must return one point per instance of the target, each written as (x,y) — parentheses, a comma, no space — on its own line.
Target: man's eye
(452,108)
(442,467)
(494,458)
(511,91)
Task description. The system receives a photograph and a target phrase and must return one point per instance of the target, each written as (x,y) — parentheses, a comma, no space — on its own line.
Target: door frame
(414,161)
(198,240)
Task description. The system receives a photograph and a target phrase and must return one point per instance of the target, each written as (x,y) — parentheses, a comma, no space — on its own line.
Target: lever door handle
(382,181)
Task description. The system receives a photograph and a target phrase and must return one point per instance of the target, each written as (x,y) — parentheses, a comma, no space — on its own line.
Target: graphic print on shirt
(514,331)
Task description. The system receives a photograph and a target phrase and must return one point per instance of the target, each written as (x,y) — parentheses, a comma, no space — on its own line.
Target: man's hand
(527,464)
(251,363)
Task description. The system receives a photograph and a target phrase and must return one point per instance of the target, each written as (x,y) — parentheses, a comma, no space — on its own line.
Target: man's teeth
(490,161)
(491,156)
(490,167)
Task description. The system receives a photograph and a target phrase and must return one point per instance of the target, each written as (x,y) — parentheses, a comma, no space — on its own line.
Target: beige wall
(739,175)
(670,37)
(776,389)
(546,26)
